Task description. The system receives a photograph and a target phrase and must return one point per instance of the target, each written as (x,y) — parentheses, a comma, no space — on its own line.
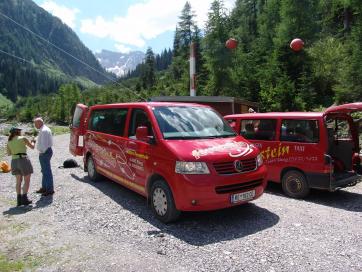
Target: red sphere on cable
(231,43)
(296,44)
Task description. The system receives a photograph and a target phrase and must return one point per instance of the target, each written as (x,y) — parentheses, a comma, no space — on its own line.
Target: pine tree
(349,88)
(216,55)
(148,72)
(286,68)
(184,35)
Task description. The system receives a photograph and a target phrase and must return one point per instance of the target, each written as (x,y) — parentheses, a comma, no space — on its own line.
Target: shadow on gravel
(43,202)
(18,210)
(340,199)
(195,228)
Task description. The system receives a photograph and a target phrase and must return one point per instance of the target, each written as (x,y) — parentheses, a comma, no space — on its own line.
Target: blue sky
(124,25)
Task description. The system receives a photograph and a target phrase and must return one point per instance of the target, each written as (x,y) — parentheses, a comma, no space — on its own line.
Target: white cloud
(67,15)
(122,48)
(145,21)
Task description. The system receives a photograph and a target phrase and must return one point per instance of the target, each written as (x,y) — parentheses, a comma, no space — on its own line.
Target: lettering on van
(137,155)
(110,159)
(299,148)
(235,149)
(137,164)
(277,152)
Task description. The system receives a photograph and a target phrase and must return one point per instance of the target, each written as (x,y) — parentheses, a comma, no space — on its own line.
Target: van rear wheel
(162,202)
(295,184)
(92,172)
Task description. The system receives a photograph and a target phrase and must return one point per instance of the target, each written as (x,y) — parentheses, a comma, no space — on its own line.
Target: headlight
(191,168)
(259,160)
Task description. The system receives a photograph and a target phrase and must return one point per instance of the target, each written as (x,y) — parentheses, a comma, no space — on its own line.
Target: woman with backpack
(21,166)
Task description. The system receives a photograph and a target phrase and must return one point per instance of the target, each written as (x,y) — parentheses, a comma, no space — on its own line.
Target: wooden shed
(223,104)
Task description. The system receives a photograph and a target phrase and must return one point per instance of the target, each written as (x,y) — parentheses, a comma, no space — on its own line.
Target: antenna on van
(192,70)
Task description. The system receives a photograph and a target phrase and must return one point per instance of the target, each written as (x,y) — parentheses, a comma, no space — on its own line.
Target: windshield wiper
(182,137)
(198,137)
(219,136)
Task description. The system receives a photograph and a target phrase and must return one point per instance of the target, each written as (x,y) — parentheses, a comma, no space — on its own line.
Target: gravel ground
(102,226)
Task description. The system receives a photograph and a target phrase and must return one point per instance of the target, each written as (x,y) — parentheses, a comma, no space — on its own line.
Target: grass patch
(28,263)
(2,153)
(20,228)
(9,265)
(13,228)
(58,130)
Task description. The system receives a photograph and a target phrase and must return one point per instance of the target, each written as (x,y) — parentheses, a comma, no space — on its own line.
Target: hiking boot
(47,193)
(19,201)
(25,201)
(40,191)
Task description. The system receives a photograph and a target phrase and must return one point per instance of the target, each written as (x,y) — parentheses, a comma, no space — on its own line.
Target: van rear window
(304,131)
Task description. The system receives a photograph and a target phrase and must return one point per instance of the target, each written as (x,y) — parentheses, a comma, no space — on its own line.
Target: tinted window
(181,122)
(258,129)
(76,117)
(109,121)
(305,131)
(139,118)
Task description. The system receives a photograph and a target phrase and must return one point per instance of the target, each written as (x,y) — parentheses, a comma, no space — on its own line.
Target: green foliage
(5,105)
(216,54)
(59,130)
(147,77)
(262,68)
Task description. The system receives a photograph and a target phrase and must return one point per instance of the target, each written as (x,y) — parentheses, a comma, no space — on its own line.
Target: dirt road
(102,226)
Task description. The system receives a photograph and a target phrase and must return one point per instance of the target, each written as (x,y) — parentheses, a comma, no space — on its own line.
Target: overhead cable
(67,53)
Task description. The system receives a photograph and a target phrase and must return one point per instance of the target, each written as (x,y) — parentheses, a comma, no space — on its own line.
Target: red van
(304,150)
(182,157)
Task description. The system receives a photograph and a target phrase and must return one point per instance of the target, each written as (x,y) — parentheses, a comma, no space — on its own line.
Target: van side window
(76,117)
(139,118)
(109,121)
(303,131)
(258,129)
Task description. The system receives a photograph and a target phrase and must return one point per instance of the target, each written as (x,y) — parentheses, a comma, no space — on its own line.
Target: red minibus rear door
(77,130)
(345,108)
(347,143)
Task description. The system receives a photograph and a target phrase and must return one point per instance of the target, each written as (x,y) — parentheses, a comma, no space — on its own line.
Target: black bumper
(332,182)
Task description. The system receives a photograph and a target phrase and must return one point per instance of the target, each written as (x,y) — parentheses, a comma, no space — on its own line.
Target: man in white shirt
(44,146)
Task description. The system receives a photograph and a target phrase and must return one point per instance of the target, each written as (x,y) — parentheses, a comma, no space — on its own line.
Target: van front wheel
(295,184)
(162,203)
(91,167)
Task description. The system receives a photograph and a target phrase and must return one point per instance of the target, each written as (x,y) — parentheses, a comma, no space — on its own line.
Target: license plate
(242,196)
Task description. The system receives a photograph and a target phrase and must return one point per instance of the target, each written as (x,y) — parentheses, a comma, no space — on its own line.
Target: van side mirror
(142,134)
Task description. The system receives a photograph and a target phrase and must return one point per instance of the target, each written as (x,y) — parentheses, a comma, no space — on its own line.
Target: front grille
(238,187)
(228,168)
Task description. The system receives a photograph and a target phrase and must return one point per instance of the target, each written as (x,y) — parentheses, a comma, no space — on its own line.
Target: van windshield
(184,122)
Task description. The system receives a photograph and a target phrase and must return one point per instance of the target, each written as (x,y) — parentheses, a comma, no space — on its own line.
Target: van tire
(91,168)
(295,184)
(162,202)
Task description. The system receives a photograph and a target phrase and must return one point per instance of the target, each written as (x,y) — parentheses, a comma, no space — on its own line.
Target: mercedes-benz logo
(239,166)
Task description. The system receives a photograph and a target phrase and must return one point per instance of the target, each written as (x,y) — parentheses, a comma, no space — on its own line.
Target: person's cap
(13,129)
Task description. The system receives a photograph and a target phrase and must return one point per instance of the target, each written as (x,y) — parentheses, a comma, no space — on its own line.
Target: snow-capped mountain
(119,63)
